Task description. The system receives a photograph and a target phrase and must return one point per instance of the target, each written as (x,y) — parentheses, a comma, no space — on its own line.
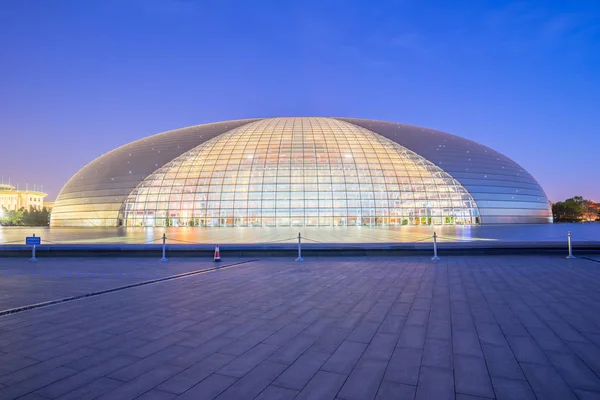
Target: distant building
(13,199)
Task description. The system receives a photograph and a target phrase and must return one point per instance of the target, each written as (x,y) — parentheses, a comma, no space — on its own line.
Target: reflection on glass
(299,172)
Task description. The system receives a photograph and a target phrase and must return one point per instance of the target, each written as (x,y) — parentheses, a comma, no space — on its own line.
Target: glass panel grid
(299,172)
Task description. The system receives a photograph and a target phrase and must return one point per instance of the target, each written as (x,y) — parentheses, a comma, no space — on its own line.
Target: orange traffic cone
(217,254)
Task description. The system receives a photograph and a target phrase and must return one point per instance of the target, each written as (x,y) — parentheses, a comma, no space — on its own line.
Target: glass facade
(301,171)
(298,172)
(503,190)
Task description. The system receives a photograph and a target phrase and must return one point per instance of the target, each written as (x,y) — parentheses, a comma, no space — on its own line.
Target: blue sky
(79,78)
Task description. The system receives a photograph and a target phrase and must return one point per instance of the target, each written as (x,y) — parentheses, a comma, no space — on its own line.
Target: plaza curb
(290,249)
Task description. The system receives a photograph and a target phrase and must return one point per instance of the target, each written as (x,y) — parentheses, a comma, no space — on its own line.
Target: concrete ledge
(288,249)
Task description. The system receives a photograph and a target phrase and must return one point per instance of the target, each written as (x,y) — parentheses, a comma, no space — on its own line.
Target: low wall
(291,250)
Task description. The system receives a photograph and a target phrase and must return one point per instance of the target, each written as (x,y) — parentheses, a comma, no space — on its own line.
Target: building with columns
(14,199)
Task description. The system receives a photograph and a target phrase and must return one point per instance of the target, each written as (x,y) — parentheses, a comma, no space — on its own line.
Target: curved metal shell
(502,190)
(93,196)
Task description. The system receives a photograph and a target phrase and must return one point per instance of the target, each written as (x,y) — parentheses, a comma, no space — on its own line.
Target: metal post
(33,253)
(299,248)
(569,242)
(435,256)
(164,248)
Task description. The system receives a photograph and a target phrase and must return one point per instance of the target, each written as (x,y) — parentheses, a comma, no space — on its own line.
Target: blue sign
(33,240)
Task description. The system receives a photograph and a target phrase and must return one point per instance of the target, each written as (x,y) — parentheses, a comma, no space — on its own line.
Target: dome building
(301,172)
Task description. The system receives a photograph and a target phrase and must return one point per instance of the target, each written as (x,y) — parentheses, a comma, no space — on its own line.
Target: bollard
(435,256)
(569,242)
(33,252)
(299,248)
(164,247)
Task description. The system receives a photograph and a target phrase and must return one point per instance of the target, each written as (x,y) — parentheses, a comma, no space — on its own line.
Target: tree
(23,217)
(575,209)
(35,217)
(12,217)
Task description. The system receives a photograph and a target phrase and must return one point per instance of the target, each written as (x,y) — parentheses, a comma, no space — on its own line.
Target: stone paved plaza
(506,327)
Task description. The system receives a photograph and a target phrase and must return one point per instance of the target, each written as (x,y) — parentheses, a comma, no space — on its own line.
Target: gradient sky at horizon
(79,78)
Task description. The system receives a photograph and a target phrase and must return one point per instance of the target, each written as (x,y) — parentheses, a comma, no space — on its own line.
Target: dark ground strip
(590,259)
(71,298)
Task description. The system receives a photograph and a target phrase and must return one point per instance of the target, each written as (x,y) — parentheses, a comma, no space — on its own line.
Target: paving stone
(284,335)
(93,390)
(439,329)
(345,358)
(160,344)
(512,389)
(330,341)
(277,393)
(594,338)
(82,378)
(12,364)
(404,366)
(412,337)
(247,361)
(437,353)
(318,327)
(513,327)
(149,363)
(302,370)
(209,388)
(501,362)
(156,395)
(197,354)
(462,322)
(101,355)
(191,376)
(43,367)
(589,353)
(142,383)
(391,390)
(381,347)
(33,396)
(289,352)
(548,309)
(417,317)
(546,382)
(400,309)
(466,343)
(324,385)
(471,376)
(363,382)
(350,320)
(242,345)
(547,340)
(30,385)
(564,331)
(586,395)
(435,383)
(69,347)
(460,396)
(574,371)
(526,350)
(491,334)
(364,332)
(254,382)
(392,324)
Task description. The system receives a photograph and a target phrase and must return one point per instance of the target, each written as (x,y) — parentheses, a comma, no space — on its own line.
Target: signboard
(33,240)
